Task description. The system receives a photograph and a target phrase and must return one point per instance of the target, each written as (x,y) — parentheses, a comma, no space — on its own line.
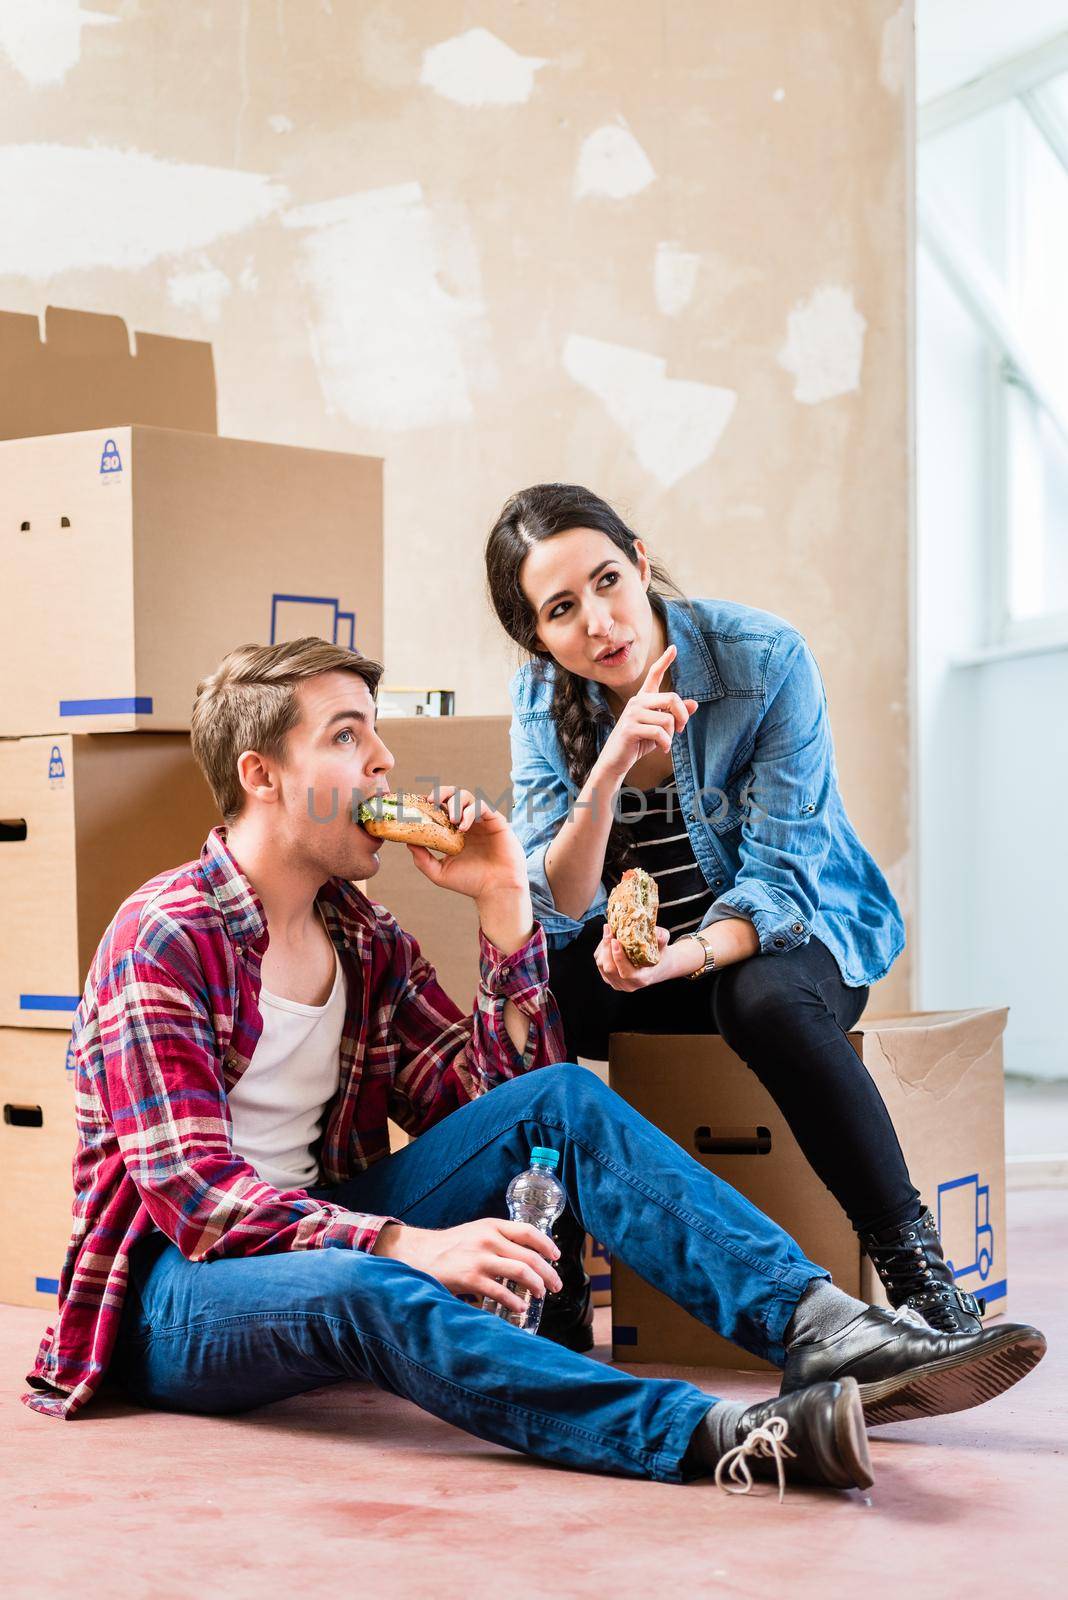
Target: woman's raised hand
(649,721)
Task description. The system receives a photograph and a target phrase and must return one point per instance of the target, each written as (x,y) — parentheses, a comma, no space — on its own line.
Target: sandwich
(409,819)
(632,910)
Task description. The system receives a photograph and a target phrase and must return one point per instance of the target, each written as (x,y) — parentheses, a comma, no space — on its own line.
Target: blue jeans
(223,1336)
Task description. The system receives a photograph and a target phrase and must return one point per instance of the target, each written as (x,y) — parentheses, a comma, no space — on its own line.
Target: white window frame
(978,291)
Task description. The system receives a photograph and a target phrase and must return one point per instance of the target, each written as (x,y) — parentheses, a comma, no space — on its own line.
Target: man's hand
(491,869)
(478,1258)
(492,857)
(676,961)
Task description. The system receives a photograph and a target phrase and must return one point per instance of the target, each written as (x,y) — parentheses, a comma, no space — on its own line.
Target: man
(241,1232)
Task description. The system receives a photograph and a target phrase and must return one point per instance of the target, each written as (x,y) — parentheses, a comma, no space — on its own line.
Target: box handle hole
(12,830)
(24,527)
(732,1141)
(64,522)
(23,1116)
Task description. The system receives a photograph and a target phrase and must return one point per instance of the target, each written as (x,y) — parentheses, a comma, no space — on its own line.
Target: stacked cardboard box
(941,1075)
(139,547)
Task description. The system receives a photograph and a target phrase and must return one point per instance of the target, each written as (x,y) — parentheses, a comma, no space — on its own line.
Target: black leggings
(786,1016)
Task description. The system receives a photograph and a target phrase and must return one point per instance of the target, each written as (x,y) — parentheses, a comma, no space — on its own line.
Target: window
(993,204)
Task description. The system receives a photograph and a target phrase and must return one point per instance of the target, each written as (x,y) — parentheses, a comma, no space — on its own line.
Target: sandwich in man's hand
(411,819)
(632,908)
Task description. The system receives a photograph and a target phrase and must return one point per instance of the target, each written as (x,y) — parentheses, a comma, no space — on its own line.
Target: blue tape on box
(140,705)
(49,1002)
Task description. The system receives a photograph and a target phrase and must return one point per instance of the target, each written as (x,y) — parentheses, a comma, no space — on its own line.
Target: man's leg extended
(682,1228)
(225,1336)
(693,1237)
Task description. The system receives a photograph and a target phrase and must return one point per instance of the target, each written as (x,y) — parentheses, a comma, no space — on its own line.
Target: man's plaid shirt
(168,1023)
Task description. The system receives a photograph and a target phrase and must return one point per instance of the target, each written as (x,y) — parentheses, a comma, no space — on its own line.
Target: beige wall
(656,246)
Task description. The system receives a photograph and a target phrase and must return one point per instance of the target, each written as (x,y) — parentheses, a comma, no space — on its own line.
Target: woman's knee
(759,998)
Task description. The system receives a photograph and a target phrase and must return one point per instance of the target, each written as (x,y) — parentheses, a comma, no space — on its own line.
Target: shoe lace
(910,1315)
(902,1263)
(767,1440)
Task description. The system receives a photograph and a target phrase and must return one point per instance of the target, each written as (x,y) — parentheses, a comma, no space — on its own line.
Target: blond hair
(249,703)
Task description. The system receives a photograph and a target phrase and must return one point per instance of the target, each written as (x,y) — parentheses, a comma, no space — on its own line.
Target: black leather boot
(814,1436)
(906,1369)
(913,1271)
(568,1316)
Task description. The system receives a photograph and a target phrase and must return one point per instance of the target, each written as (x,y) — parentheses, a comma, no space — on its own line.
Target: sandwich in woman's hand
(632,908)
(409,819)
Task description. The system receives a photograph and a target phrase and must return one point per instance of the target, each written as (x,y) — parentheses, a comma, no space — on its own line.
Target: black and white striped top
(653,822)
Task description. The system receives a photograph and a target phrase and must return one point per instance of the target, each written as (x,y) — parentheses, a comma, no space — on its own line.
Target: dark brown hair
(527,519)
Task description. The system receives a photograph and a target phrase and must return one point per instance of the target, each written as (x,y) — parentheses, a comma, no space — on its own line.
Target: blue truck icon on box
(295,615)
(964,1220)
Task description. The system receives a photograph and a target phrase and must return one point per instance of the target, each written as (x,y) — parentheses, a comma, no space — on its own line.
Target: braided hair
(526,519)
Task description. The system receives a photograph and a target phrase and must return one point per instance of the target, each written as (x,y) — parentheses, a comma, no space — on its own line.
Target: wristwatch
(710,955)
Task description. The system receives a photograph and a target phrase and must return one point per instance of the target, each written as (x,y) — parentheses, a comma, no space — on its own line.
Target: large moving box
(84,820)
(37,1141)
(471,753)
(136,556)
(941,1076)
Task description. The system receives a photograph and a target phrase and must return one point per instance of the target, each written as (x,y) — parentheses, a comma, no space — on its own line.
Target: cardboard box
(37,1143)
(135,558)
(140,547)
(472,753)
(84,820)
(80,371)
(598,1264)
(941,1076)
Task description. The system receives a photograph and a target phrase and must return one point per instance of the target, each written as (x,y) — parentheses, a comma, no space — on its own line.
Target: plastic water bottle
(534,1196)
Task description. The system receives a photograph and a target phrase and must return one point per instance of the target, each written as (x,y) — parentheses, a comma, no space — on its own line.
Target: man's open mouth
(374,809)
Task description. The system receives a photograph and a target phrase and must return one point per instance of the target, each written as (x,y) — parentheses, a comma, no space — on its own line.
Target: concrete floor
(348,1491)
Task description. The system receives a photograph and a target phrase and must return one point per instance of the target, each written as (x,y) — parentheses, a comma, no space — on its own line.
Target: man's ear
(256,778)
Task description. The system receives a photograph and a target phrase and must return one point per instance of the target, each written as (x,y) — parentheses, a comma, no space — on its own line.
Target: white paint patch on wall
(67,208)
(42,39)
(824,345)
(674,277)
(612,165)
(672,425)
(895,47)
(478,69)
(390,338)
(202,288)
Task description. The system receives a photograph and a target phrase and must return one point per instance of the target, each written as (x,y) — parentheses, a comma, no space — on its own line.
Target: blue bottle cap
(541,1157)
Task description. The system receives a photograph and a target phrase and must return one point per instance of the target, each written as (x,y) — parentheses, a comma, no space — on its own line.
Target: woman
(691,738)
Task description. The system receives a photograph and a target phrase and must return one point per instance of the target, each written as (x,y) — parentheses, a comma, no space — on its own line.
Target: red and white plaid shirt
(168,1023)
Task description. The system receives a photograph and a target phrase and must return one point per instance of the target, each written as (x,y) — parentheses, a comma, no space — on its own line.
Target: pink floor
(347,1492)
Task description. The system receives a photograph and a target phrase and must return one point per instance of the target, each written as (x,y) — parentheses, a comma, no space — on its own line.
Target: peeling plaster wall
(660,248)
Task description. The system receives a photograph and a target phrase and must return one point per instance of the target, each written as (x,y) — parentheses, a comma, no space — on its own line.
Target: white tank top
(278,1103)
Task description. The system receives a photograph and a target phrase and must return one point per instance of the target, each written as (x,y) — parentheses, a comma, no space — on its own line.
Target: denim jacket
(757,785)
